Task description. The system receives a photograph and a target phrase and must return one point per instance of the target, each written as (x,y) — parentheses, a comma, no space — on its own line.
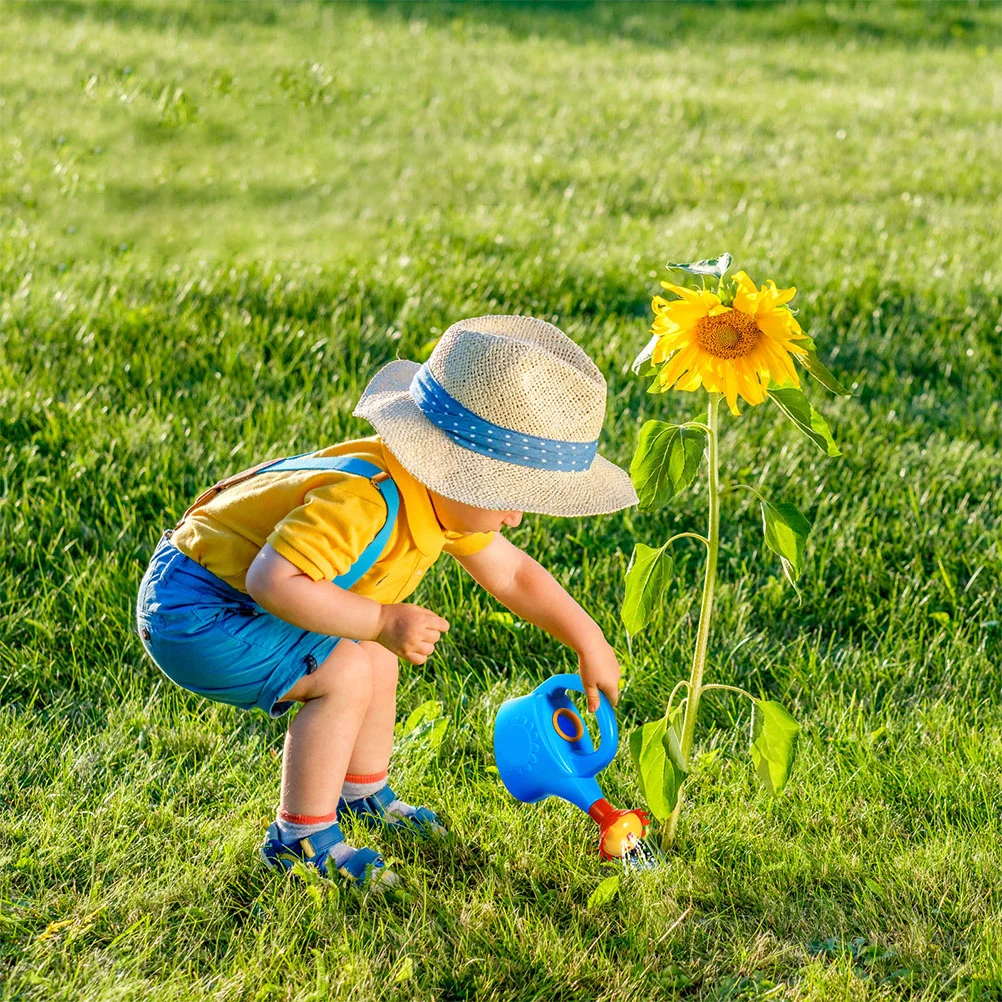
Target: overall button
(311,664)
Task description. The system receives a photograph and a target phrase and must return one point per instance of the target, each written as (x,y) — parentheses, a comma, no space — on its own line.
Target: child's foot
(384,809)
(330,854)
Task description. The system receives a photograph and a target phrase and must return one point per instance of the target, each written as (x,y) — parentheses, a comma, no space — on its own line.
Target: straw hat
(505,414)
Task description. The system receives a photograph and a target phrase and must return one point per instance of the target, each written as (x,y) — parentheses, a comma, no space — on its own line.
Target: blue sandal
(365,868)
(371,811)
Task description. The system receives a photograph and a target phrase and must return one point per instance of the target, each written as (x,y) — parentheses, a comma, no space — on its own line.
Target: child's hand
(599,669)
(410,631)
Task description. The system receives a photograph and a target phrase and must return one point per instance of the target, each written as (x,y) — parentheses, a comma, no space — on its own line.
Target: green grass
(218,221)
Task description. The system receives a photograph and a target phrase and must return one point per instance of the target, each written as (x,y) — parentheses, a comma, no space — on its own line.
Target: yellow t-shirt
(321,520)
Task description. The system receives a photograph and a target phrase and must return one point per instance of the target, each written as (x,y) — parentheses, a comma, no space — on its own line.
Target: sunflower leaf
(645,355)
(786,531)
(713,266)
(660,776)
(646,578)
(672,741)
(799,410)
(774,744)
(821,373)
(666,461)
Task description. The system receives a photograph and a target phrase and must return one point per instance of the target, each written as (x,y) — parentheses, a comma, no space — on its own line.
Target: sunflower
(735,350)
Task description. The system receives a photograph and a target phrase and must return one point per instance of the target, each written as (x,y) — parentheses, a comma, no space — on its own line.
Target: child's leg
(367,771)
(371,754)
(323,734)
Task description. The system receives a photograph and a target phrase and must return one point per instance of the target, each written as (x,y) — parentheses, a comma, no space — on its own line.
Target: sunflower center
(728,335)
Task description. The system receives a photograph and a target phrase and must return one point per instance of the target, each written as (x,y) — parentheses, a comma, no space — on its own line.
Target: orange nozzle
(619,830)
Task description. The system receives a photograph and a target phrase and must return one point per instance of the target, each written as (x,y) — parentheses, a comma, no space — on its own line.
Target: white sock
(290,833)
(395,809)
(355,791)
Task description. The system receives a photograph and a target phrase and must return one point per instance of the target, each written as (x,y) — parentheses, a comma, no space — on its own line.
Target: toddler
(286,583)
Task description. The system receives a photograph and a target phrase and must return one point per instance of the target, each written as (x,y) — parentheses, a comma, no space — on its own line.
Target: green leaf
(676,766)
(714,266)
(404,971)
(648,754)
(786,532)
(425,713)
(426,723)
(666,461)
(605,892)
(661,777)
(820,372)
(646,578)
(673,739)
(504,619)
(799,410)
(774,744)
(645,355)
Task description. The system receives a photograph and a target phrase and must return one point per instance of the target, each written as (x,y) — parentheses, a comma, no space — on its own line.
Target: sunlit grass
(219,220)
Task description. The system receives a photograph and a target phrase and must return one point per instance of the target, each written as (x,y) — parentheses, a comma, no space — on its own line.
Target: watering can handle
(606,716)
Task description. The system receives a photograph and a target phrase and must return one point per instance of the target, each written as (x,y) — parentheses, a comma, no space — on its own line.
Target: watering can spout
(621,832)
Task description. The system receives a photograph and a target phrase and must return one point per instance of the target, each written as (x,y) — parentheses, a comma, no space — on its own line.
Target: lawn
(218,220)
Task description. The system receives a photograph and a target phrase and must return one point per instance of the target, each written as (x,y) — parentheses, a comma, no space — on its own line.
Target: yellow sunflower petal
(662,350)
(746,297)
(748,386)
(785,363)
(689,381)
(731,388)
(778,296)
(692,295)
(752,390)
(672,341)
(677,365)
(778,324)
(689,313)
(712,379)
(663,324)
(770,358)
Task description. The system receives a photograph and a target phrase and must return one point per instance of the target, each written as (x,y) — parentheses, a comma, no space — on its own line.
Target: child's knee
(385,668)
(346,673)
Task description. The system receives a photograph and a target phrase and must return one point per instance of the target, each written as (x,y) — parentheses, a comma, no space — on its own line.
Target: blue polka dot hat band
(472,432)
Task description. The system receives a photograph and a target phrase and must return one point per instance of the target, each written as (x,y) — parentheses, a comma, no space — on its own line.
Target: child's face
(461,517)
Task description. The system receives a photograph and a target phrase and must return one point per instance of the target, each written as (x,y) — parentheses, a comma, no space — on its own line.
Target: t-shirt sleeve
(326,534)
(458,544)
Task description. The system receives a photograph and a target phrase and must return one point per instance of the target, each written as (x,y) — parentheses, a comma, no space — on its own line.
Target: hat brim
(434,459)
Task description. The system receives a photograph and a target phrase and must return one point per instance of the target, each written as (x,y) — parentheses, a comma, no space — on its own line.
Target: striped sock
(356,786)
(293,827)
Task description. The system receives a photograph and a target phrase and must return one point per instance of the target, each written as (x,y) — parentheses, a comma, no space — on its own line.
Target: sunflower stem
(688,535)
(705,611)
(696,424)
(730,688)
(745,487)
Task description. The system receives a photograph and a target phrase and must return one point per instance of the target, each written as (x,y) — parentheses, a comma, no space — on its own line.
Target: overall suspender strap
(379,479)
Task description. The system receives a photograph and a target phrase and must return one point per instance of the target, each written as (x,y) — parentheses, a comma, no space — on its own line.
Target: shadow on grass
(938,22)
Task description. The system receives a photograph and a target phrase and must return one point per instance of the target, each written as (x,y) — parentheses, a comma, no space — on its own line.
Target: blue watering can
(543,749)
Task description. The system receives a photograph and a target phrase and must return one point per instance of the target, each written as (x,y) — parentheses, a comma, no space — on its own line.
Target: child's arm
(521,584)
(281,588)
